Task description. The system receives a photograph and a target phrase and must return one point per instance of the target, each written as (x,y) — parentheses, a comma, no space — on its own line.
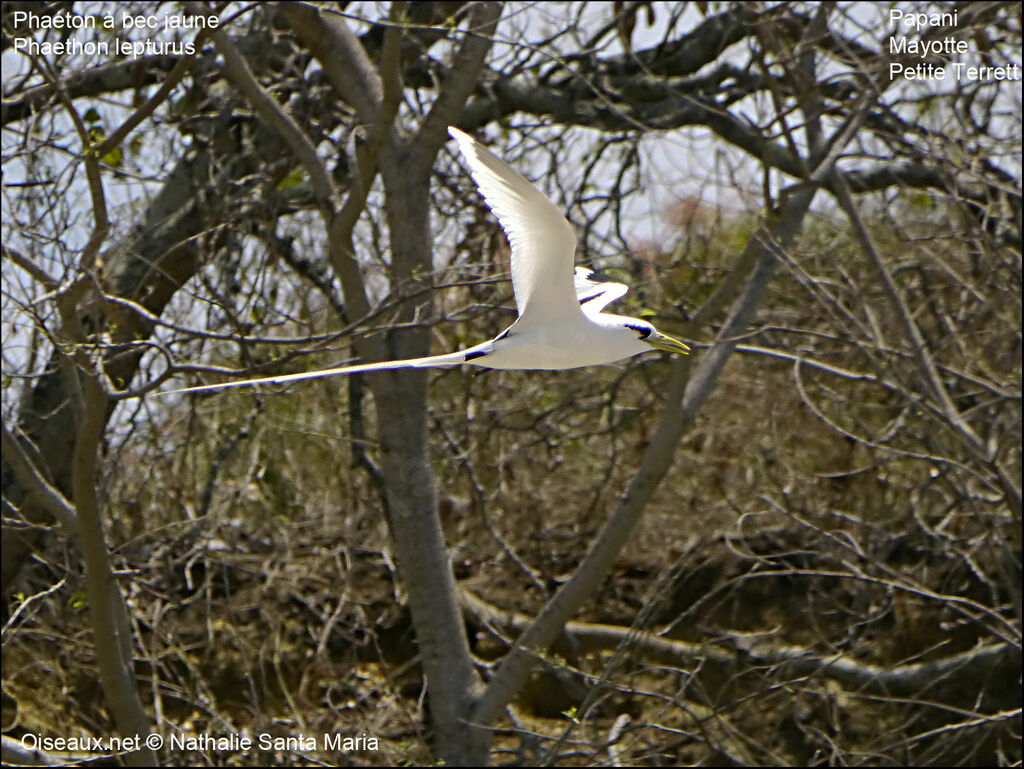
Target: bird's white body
(561,324)
(583,341)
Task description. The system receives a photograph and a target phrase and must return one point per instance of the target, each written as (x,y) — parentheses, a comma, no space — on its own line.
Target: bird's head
(650,335)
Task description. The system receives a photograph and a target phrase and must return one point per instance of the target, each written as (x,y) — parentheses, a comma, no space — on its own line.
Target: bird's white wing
(595,295)
(543,242)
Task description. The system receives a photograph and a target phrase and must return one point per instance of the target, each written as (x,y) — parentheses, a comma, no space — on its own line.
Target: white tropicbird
(560,323)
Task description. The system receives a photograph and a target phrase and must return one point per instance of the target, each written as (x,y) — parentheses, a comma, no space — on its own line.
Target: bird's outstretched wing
(543,243)
(594,295)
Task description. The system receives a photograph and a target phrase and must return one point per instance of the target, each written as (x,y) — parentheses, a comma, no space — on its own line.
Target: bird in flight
(560,325)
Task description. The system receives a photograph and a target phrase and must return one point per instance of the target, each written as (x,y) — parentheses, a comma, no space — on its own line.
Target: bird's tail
(431,361)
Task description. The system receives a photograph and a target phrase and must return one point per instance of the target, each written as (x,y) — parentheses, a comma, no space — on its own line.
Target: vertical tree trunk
(401,397)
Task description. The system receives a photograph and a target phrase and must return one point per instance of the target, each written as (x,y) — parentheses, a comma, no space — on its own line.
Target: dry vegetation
(264,592)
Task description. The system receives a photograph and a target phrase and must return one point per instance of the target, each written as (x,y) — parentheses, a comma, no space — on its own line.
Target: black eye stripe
(643,331)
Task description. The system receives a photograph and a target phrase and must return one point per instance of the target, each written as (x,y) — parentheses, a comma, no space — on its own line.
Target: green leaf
(114,157)
(296,177)
(96,135)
